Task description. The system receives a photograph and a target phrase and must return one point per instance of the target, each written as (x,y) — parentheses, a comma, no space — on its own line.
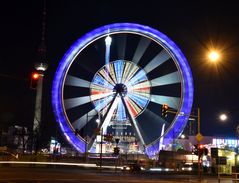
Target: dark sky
(195,26)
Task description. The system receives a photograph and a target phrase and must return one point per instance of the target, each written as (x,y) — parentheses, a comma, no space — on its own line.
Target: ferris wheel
(123,74)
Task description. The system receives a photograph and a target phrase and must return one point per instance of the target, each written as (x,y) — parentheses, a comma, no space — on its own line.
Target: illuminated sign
(225,142)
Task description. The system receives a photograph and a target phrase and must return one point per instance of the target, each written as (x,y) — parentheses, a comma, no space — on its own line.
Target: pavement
(46,174)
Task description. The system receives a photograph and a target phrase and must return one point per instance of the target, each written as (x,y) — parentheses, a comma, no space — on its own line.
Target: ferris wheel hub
(121,89)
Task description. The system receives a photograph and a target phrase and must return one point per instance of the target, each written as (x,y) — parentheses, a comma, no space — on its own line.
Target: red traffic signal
(200,150)
(34,80)
(200,146)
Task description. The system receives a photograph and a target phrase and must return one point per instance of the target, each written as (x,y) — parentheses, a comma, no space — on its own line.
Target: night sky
(195,27)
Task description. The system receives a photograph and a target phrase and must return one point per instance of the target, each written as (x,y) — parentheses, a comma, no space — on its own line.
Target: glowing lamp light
(108,40)
(35,76)
(183,136)
(165,106)
(97,120)
(214,56)
(223,117)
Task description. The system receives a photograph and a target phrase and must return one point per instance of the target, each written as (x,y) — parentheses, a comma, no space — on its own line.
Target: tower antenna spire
(42,46)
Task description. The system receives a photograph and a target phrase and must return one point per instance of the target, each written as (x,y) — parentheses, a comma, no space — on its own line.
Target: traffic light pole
(198,116)
(199,136)
(198,140)
(101,142)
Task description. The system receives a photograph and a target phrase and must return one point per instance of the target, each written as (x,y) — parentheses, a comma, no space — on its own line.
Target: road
(73,175)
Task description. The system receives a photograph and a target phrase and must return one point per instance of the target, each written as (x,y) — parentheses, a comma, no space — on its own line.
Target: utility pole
(199,137)
(101,142)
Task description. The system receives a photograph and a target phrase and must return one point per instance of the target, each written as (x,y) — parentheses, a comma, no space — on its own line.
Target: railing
(233,176)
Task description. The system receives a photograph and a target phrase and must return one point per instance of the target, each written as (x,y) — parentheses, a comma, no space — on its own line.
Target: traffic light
(116,150)
(195,149)
(165,110)
(200,150)
(34,80)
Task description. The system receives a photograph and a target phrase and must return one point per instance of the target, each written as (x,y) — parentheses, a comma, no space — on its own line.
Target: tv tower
(40,67)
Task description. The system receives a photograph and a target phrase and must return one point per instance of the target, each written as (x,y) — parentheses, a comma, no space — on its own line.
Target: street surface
(73,175)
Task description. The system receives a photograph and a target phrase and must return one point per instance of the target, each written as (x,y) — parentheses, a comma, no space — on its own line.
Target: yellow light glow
(214,56)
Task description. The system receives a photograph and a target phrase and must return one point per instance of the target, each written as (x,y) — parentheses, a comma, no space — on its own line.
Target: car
(161,169)
(189,167)
(132,168)
(135,168)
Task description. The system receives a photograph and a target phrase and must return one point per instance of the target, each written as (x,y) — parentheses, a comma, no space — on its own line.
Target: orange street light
(214,56)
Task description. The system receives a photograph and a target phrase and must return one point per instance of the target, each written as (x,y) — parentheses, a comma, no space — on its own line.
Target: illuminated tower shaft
(38,104)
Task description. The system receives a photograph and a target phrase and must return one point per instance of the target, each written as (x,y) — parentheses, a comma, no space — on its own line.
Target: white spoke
(83,120)
(74,102)
(75,81)
(141,48)
(172,102)
(171,78)
(156,61)
(109,115)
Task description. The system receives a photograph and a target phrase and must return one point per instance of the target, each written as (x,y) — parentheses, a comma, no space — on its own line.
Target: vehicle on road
(189,167)
(133,168)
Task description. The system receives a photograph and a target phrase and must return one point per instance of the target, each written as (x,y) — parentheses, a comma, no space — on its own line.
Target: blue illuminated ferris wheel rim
(68,58)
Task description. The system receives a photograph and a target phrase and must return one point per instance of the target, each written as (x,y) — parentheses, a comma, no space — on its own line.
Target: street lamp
(214,56)
(182,136)
(223,117)
(97,121)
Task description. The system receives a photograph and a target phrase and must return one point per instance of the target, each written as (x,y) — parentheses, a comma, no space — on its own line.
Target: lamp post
(101,139)
(85,133)
(101,142)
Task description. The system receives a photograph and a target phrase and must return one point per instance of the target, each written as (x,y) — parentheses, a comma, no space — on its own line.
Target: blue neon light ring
(80,44)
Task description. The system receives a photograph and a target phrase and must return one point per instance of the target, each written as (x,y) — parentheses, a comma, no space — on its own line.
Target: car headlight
(142,168)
